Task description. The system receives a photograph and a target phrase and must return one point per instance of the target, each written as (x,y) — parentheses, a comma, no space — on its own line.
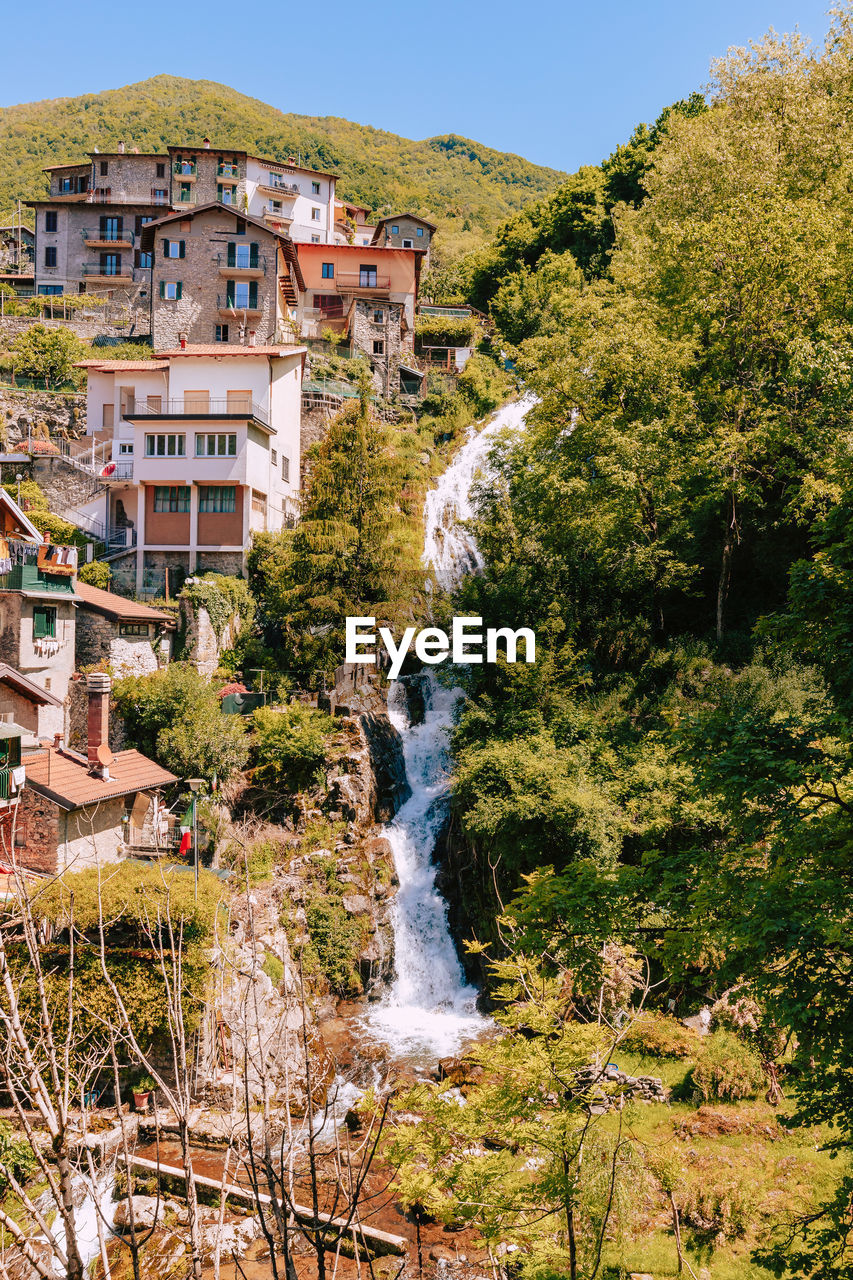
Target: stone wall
(100,643)
(366,330)
(22,410)
(64,486)
(86,330)
(123,569)
(39,827)
(230,562)
(202,647)
(91,835)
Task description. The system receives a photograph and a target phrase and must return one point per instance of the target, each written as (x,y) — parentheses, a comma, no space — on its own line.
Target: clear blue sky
(561,82)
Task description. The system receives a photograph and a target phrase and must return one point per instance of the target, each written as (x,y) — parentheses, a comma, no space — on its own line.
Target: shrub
(47,353)
(727,1069)
(337,940)
(660,1036)
(16,1158)
(290,745)
(32,496)
(273,968)
(96,574)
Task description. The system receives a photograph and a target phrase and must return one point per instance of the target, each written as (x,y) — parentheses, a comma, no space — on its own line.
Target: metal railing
(109,237)
(227,171)
(362,280)
(108,269)
(242,262)
(288,188)
(236,407)
(225,302)
(185,168)
(159,195)
(117,471)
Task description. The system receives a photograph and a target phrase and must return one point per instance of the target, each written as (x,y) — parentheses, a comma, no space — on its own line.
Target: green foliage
(660,1036)
(175,716)
(273,968)
(337,940)
(446,179)
(445,331)
(16,1158)
(290,746)
(223,597)
(45,353)
(727,1069)
(61,531)
(96,574)
(139,895)
(32,495)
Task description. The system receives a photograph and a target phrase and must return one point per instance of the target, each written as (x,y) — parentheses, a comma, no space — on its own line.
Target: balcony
(184,198)
(244,266)
(226,170)
(362,282)
(276,219)
(185,169)
(234,308)
(286,190)
(234,407)
(97,273)
(108,239)
(118,472)
(28,577)
(159,195)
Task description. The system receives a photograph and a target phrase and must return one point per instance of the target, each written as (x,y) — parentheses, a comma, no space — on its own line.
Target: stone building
(79,810)
(219,276)
(22,706)
(130,638)
(405,231)
(17,251)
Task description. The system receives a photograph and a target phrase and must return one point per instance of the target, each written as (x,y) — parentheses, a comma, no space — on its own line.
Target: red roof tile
(225,349)
(116,606)
(64,777)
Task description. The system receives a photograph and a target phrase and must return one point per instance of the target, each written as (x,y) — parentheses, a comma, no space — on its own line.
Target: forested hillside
(460,184)
(670,786)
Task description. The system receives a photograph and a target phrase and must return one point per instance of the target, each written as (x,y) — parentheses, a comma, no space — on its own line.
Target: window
(165,446)
(378,347)
(275,206)
(125,450)
(50,256)
(174,248)
(44,622)
(186,193)
(420,231)
(259,505)
(239,401)
(161,170)
(408,244)
(218,499)
(196,402)
(155,404)
(274,457)
(110,264)
(105,168)
(315,214)
(328,270)
(50,288)
(159,195)
(379,317)
(285,469)
(395,231)
(108,415)
(65,187)
(127,403)
(242,294)
(50,220)
(225,194)
(243,255)
(142,219)
(169,498)
(134,629)
(367,277)
(216,446)
(111,228)
(171,289)
(221,333)
(315,239)
(315,188)
(144,259)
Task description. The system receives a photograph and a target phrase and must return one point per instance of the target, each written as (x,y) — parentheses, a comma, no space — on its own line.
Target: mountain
(456,182)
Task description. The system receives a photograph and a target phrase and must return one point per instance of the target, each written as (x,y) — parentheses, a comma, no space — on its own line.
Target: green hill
(458,183)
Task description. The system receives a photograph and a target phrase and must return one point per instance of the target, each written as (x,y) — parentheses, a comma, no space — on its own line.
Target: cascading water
(430,1010)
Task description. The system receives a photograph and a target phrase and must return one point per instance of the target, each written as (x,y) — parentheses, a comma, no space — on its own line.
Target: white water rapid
(430,1011)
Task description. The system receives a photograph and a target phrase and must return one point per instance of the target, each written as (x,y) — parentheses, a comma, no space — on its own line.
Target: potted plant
(142,1091)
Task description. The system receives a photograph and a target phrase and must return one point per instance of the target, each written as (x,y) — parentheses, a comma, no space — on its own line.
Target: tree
(97,574)
(45,353)
(175,716)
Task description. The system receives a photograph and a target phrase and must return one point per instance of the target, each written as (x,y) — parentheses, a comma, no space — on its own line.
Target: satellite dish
(105,755)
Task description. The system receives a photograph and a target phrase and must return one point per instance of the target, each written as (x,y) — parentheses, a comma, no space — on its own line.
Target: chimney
(251,337)
(207,144)
(121,148)
(183,343)
(98,688)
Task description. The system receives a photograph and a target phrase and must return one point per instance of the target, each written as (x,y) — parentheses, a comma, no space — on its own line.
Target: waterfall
(430,1011)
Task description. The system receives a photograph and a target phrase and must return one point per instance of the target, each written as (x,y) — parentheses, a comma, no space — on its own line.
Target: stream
(430,1010)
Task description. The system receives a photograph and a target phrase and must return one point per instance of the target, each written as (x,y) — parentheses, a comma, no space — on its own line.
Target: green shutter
(253,294)
(232,253)
(162,288)
(44,622)
(253,255)
(179,290)
(182,250)
(229,293)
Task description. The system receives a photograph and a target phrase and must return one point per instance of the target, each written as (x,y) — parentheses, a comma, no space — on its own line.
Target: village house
(405,231)
(205,451)
(37,606)
(131,638)
(219,276)
(367,294)
(78,809)
(352,225)
(22,707)
(17,249)
(21,704)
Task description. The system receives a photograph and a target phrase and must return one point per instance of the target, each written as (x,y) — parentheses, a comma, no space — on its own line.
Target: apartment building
(367,293)
(220,276)
(203,444)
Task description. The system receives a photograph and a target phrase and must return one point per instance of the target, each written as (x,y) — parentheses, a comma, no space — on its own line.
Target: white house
(293,199)
(200,449)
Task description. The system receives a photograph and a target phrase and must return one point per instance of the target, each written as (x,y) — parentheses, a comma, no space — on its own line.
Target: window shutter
(120,225)
(165,248)
(253,255)
(229,293)
(179,289)
(232,253)
(182,249)
(253,294)
(162,288)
